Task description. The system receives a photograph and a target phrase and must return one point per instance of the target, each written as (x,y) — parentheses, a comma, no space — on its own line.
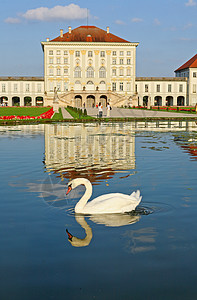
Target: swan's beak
(70,236)
(69,189)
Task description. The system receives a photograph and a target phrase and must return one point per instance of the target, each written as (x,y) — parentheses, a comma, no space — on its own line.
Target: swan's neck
(84,199)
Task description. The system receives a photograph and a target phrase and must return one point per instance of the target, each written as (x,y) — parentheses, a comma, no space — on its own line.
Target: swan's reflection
(110,220)
(77,242)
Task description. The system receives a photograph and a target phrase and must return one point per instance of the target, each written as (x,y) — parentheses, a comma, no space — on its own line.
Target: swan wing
(112,203)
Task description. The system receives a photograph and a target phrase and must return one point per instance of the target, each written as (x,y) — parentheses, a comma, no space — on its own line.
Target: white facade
(162,91)
(21,91)
(191,74)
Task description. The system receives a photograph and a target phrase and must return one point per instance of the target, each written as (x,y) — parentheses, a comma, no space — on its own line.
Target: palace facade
(88,65)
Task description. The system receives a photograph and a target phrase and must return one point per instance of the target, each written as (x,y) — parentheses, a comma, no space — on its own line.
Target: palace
(88,65)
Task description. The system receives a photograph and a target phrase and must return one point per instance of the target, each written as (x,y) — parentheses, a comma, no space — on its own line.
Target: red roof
(89,34)
(192,63)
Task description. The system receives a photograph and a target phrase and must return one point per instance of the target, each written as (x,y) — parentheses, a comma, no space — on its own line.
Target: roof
(21,78)
(89,34)
(192,63)
(161,79)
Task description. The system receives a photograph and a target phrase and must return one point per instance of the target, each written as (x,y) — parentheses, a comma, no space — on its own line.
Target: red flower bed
(46,115)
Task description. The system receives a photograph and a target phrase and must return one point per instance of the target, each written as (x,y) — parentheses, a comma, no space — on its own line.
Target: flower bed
(167,108)
(46,115)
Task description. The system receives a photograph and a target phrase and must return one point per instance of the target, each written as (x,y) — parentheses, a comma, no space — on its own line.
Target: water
(146,254)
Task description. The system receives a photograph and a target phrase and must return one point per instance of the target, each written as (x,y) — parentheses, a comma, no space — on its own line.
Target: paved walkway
(138,113)
(65,114)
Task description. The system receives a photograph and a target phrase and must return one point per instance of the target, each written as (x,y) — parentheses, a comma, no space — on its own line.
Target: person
(108,109)
(100,110)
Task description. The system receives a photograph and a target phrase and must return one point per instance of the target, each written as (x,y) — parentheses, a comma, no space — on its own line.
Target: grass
(58,116)
(23,111)
(76,115)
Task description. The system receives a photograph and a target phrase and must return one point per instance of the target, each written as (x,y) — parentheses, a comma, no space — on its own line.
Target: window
(51,86)
(121,53)
(102,72)
(169,88)
(128,86)
(114,53)
(113,72)
(3,87)
(128,53)
(65,60)
(121,72)
(39,87)
(102,53)
(90,72)
(136,88)
(128,61)
(77,72)
(58,72)
(50,52)
(146,88)
(58,60)
(194,88)
(113,61)
(180,88)
(51,72)
(27,87)
(58,87)
(65,71)
(158,88)
(65,52)
(121,86)
(113,86)
(128,72)
(194,74)
(121,61)
(65,86)
(77,53)
(51,60)
(90,54)
(58,52)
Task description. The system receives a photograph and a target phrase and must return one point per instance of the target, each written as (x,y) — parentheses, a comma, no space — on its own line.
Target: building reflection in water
(98,151)
(95,151)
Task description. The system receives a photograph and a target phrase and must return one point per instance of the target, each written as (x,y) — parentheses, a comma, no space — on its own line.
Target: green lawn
(23,111)
(58,116)
(75,114)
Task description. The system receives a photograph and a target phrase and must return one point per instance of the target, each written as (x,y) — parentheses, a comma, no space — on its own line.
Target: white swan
(105,204)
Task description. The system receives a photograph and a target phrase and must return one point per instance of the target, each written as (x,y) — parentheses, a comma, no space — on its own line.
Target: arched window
(102,72)
(77,73)
(90,72)
(90,82)
(77,82)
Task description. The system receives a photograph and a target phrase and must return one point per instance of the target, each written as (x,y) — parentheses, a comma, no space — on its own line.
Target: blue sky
(165,29)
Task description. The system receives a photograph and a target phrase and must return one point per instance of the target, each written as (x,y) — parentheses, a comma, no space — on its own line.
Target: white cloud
(13,20)
(187,26)
(136,20)
(190,3)
(119,22)
(157,22)
(56,13)
(70,12)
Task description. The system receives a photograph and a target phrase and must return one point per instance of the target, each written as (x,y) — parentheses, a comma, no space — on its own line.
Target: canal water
(149,253)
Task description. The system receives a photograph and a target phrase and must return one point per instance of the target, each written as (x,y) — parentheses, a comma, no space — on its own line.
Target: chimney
(107,29)
(61,33)
(47,39)
(69,29)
